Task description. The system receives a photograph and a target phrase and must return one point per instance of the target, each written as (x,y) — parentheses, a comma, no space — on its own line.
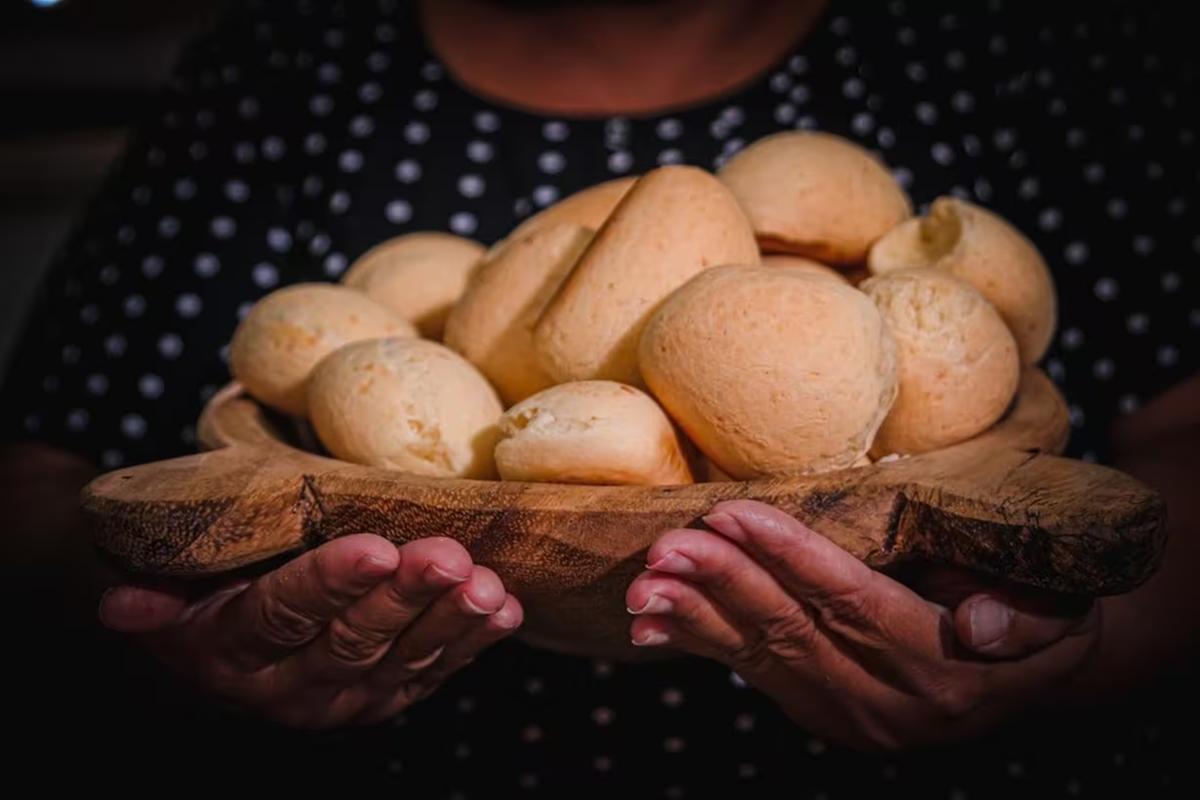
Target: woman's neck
(608,56)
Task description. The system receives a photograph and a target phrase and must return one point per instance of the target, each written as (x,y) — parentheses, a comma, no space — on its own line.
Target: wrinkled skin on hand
(849,653)
(352,632)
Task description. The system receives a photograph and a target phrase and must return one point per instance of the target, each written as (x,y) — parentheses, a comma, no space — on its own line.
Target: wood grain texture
(1002,504)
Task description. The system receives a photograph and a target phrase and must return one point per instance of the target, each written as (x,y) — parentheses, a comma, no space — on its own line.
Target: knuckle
(790,631)
(687,604)
(282,623)
(352,645)
(405,597)
(717,572)
(854,608)
(751,655)
(328,577)
(773,559)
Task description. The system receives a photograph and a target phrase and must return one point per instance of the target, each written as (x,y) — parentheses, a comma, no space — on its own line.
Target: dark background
(74,78)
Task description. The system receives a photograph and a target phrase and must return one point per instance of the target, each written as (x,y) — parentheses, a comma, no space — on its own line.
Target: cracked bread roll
(492,324)
(588,207)
(405,404)
(419,275)
(288,331)
(591,432)
(675,222)
(815,195)
(983,249)
(957,361)
(770,370)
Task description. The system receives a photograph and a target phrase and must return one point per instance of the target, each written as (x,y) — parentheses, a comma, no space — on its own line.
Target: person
(295,136)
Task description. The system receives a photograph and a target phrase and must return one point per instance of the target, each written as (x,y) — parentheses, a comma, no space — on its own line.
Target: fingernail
(650,639)
(421,663)
(437,576)
(506,622)
(990,620)
(722,522)
(675,563)
(370,565)
(657,604)
(468,604)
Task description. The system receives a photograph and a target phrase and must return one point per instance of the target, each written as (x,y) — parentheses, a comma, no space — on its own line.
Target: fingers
(357,638)
(655,600)
(477,638)
(990,626)
(449,618)
(134,609)
(656,630)
(864,606)
(1028,678)
(289,607)
(736,607)
(707,596)
(804,562)
(859,622)
(390,699)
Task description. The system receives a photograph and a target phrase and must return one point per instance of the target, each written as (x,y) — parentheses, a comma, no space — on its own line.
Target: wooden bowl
(1003,504)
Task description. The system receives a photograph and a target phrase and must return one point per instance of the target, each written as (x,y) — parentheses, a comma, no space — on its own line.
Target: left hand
(849,653)
(352,632)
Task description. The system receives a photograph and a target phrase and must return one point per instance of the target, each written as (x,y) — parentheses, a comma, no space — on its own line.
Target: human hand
(848,652)
(352,632)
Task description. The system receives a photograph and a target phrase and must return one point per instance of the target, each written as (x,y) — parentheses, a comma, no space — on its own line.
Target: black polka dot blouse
(297,135)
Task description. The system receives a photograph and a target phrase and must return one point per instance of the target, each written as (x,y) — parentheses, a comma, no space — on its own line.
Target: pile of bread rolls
(785,316)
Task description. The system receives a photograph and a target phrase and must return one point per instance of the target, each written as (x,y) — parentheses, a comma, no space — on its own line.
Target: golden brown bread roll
(420,275)
(957,362)
(815,268)
(588,207)
(770,370)
(287,332)
(594,432)
(673,223)
(405,404)
(984,250)
(815,195)
(492,324)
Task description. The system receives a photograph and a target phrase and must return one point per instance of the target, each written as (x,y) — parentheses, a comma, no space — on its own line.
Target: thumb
(136,609)
(990,626)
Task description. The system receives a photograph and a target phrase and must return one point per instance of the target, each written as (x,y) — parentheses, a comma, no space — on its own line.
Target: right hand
(352,632)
